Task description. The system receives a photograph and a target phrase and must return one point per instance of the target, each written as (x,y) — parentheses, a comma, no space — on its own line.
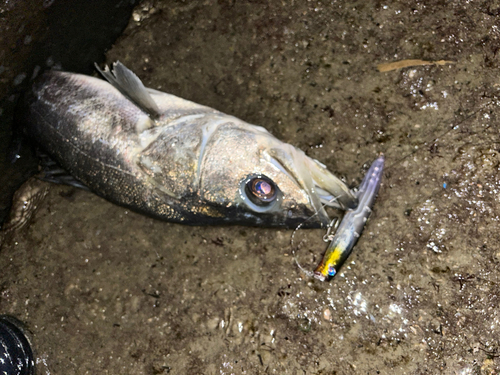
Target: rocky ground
(108,291)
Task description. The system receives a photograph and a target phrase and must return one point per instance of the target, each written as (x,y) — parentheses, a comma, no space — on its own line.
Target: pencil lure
(352,224)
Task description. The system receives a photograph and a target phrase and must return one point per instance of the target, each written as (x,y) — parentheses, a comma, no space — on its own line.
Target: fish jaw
(322,187)
(237,151)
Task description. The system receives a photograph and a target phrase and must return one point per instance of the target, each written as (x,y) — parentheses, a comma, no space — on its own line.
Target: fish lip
(331,190)
(315,203)
(321,186)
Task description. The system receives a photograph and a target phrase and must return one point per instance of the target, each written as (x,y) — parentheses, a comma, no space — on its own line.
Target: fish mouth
(322,187)
(331,191)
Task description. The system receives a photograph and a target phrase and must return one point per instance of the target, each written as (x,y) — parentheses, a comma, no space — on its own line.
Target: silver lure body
(352,224)
(171,158)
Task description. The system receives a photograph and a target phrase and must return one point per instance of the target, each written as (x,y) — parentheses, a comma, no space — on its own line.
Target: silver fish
(174,159)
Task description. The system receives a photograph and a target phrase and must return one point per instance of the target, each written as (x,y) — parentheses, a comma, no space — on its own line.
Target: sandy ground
(108,291)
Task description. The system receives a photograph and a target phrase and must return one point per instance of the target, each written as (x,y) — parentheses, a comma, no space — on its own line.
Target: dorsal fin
(131,87)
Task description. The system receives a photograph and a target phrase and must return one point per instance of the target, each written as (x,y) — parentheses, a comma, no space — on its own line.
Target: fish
(352,224)
(173,159)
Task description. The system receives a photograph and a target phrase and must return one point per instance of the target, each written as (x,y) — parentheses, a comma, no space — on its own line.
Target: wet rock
(39,35)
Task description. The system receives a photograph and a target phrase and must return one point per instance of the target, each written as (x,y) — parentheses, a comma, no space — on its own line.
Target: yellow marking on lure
(332,260)
(335,256)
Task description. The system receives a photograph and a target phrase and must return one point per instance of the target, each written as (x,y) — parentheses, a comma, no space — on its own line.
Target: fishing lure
(352,224)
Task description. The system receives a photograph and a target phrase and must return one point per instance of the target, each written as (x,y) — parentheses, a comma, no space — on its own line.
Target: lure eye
(331,271)
(261,190)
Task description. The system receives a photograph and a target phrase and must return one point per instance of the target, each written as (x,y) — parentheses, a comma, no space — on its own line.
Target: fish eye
(261,190)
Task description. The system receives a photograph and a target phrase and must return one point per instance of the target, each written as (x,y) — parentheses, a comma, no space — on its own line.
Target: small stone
(327,314)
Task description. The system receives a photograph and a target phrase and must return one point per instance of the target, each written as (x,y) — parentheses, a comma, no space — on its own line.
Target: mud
(108,291)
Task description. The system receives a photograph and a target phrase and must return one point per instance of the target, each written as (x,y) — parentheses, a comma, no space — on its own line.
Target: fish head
(255,179)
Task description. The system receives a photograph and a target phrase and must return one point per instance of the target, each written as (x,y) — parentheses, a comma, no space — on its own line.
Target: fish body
(174,159)
(352,224)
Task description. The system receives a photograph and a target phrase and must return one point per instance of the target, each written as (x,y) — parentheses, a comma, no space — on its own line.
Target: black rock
(16,356)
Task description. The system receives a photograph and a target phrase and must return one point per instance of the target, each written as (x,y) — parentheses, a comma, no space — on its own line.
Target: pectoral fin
(124,80)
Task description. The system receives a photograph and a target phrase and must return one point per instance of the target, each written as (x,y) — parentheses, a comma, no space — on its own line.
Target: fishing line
(327,237)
